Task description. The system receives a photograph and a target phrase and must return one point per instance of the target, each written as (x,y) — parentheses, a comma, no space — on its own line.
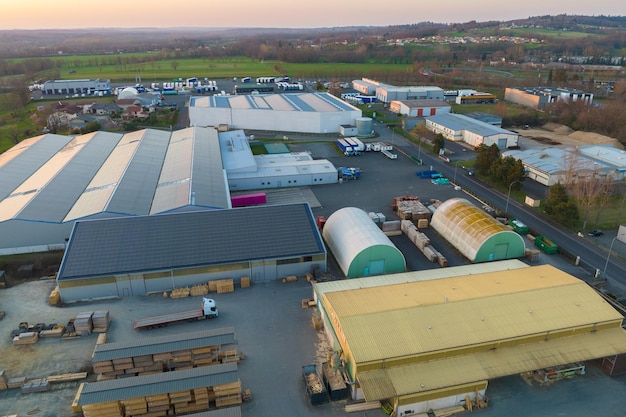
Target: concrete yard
(274,332)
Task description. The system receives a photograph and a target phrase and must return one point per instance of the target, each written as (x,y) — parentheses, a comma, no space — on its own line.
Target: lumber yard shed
(140,255)
(476,234)
(425,340)
(359,246)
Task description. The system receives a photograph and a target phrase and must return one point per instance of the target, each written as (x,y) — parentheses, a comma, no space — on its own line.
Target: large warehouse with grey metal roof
(50,181)
(297,112)
(124,256)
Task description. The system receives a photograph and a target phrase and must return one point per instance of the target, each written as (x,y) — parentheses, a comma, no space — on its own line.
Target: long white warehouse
(297,112)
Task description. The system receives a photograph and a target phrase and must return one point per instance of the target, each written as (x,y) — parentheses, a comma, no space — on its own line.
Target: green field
(126,67)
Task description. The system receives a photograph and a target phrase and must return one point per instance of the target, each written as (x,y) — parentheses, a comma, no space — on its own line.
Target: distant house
(134,112)
(539,97)
(125,103)
(104,109)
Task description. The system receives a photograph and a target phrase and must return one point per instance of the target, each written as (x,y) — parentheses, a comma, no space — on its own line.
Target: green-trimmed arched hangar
(478,236)
(359,246)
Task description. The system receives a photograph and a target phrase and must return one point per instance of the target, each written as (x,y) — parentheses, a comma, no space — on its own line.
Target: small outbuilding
(359,246)
(476,234)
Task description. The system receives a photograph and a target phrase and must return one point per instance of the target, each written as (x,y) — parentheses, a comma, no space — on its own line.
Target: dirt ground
(555,134)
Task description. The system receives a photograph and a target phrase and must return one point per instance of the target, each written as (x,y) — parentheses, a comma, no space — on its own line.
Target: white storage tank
(364,126)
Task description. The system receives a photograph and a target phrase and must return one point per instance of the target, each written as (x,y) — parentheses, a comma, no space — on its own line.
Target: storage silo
(359,246)
(364,126)
(477,235)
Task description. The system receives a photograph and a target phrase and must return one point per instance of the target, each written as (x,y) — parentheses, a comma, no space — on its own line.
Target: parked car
(596,233)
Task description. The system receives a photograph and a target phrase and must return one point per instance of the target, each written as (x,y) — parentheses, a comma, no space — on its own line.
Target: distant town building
(460,128)
(71,87)
(387,93)
(419,108)
(540,97)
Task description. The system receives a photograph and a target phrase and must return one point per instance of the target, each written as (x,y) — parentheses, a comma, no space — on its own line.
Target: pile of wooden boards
(3,381)
(180,292)
(26,338)
(244,282)
(158,362)
(200,289)
(316,320)
(84,323)
(290,278)
(56,331)
(410,208)
(422,242)
(391,228)
(35,385)
(100,320)
(55,297)
(227,394)
(222,286)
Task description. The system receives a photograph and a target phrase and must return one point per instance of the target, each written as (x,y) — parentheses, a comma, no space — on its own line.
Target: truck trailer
(207,311)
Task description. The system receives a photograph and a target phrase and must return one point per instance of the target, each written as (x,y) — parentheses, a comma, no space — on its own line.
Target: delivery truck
(207,311)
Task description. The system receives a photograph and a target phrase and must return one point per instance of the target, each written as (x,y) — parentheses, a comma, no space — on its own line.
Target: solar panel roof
(159,242)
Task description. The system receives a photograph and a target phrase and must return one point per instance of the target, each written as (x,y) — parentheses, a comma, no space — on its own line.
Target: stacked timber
(391,228)
(84,323)
(413,210)
(228,394)
(290,278)
(229,353)
(100,320)
(3,381)
(422,223)
(16,382)
(399,199)
(26,338)
(55,297)
(104,409)
(245,282)
(430,253)
(35,385)
(180,292)
(225,285)
(56,331)
(200,289)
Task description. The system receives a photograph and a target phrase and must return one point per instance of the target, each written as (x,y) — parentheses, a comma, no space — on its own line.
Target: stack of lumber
(35,385)
(84,323)
(135,406)
(224,286)
(391,228)
(56,331)
(200,289)
(245,282)
(449,411)
(430,253)
(227,394)
(196,400)
(362,406)
(100,321)
(105,409)
(26,338)
(67,377)
(3,381)
(180,292)
(412,210)
(16,382)
(55,297)
(422,223)
(397,200)
(290,278)
(102,338)
(316,320)
(229,353)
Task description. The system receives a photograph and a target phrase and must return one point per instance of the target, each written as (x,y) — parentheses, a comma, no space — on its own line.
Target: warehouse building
(298,112)
(460,128)
(477,235)
(540,97)
(428,340)
(359,246)
(419,108)
(549,166)
(388,93)
(50,181)
(71,87)
(152,254)
(246,171)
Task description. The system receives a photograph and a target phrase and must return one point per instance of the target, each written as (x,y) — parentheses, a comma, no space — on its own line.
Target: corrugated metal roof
(304,102)
(448,313)
(322,288)
(62,191)
(135,190)
(160,344)
(459,122)
(209,186)
(449,372)
(165,382)
(25,158)
(170,241)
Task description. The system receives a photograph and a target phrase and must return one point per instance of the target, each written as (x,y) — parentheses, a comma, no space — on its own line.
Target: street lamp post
(608,256)
(508,196)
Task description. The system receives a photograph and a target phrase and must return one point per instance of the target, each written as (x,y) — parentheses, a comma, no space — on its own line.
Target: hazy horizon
(77,14)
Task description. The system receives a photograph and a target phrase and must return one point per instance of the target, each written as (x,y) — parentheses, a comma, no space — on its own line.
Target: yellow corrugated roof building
(428,338)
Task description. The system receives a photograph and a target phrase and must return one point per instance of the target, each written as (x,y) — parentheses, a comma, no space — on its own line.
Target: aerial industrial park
(295,246)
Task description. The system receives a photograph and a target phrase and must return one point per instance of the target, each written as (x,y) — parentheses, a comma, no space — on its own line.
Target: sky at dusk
(67,14)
